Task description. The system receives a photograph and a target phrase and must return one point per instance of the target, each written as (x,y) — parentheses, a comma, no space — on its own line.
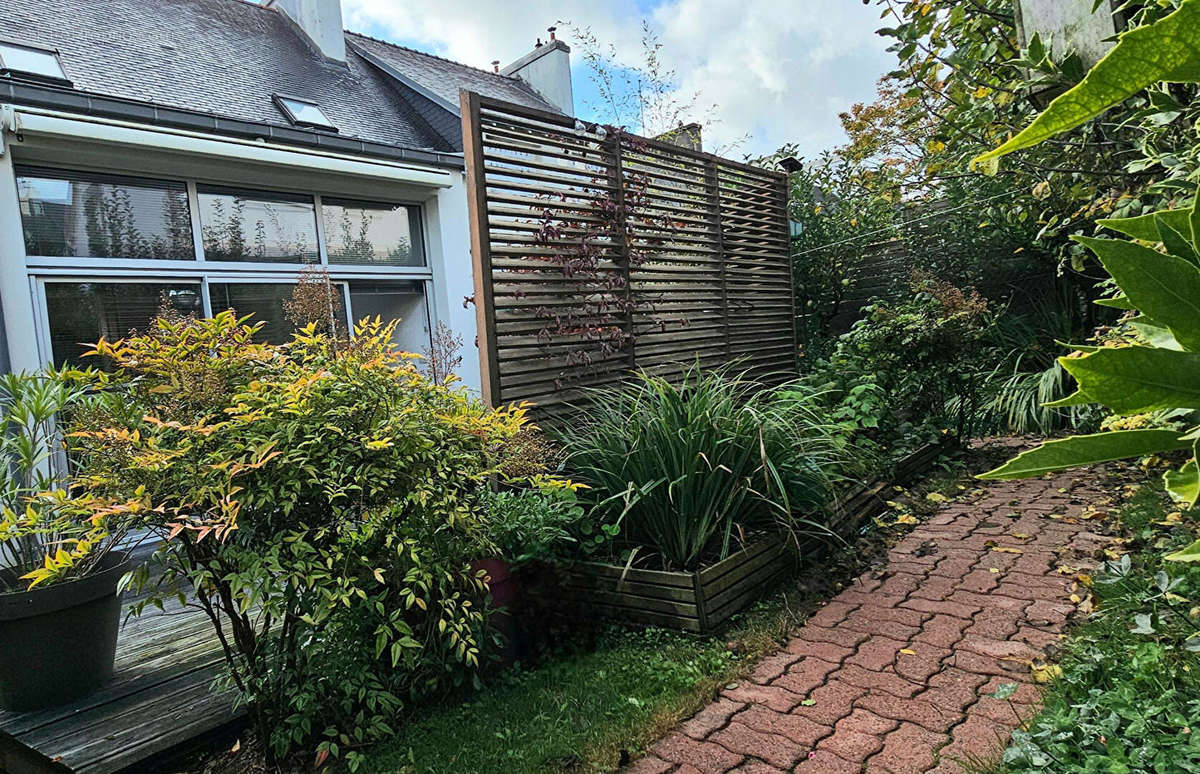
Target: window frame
(42,269)
(283,197)
(416,226)
(25,75)
(281,101)
(50,172)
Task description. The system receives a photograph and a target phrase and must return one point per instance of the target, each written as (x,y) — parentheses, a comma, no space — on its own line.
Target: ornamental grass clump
(690,468)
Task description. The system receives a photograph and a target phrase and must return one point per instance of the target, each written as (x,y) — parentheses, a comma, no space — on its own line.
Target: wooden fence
(598,252)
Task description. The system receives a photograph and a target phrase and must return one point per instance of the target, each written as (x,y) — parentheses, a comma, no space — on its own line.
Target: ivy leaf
(1004,691)
(1143,624)
(1087,450)
(1163,287)
(1167,50)
(1132,380)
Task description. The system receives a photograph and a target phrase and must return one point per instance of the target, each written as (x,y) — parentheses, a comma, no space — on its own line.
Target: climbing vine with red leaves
(619,220)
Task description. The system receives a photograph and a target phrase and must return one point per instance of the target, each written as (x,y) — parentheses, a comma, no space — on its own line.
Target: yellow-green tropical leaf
(1189,554)
(1164,288)
(1167,50)
(1184,484)
(1146,227)
(1118,302)
(1157,335)
(1081,450)
(1132,380)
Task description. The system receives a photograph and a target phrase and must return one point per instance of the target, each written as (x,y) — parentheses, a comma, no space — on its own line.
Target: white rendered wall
(453,280)
(1068,25)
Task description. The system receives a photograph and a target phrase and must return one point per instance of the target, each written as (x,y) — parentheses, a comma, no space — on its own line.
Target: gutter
(149,113)
(72,127)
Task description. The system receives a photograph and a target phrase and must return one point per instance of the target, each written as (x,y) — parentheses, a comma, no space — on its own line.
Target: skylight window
(303,113)
(29,61)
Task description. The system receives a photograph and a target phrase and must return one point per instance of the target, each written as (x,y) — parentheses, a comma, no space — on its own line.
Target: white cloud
(777,70)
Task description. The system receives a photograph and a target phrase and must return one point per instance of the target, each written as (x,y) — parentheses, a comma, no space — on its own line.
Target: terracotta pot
(500,580)
(505,592)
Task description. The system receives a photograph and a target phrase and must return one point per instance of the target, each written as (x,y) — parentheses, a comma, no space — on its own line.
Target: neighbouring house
(206,151)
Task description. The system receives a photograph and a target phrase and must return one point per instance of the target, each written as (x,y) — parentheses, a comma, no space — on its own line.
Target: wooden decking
(159,697)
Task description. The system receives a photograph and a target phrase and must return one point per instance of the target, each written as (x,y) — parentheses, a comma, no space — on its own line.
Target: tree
(642,96)
(963,85)
(1150,378)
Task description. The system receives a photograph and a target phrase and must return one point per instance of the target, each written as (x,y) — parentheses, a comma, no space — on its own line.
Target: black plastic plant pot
(58,643)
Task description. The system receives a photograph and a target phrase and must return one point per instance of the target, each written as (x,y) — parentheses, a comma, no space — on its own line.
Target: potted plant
(60,567)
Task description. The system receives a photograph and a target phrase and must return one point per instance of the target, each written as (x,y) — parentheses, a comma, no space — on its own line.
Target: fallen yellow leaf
(1044,673)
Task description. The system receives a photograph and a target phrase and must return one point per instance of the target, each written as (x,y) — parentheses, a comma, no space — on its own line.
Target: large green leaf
(1168,50)
(1184,484)
(1082,450)
(1194,222)
(1164,288)
(1189,554)
(1131,380)
(1157,335)
(1178,243)
(1146,227)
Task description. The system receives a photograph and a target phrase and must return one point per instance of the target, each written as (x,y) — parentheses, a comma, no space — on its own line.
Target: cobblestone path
(893,675)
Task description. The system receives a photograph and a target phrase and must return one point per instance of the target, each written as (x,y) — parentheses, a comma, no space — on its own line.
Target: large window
(264,300)
(403,301)
(81,313)
(106,252)
(367,232)
(253,226)
(75,214)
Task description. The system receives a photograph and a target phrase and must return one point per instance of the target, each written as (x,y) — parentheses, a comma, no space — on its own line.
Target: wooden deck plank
(161,695)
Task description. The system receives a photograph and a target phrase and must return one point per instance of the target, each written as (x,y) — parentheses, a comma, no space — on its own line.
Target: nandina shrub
(319,501)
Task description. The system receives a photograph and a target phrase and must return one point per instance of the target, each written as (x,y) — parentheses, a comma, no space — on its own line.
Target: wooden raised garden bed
(702,600)
(693,601)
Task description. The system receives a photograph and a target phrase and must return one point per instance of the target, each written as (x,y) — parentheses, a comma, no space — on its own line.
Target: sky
(779,71)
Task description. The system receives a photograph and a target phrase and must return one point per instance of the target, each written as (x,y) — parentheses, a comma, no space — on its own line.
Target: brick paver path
(893,674)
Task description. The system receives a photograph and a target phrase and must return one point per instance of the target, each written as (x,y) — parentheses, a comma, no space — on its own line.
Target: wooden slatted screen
(598,252)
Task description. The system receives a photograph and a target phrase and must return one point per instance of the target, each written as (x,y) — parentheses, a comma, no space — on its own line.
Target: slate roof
(444,77)
(227,57)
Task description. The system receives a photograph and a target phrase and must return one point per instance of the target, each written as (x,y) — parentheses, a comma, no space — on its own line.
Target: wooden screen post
(481,257)
(623,236)
(714,207)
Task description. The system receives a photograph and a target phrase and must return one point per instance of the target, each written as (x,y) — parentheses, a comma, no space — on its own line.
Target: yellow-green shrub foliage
(319,500)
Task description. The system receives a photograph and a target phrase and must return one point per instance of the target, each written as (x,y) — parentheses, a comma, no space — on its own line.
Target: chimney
(547,68)
(685,136)
(321,23)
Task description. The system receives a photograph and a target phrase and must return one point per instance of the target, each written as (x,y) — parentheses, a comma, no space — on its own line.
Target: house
(202,153)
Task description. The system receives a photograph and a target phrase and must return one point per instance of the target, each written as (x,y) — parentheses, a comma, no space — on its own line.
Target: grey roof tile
(227,57)
(445,77)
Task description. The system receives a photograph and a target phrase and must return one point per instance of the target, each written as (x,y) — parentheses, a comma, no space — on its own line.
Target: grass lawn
(575,713)
(1128,699)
